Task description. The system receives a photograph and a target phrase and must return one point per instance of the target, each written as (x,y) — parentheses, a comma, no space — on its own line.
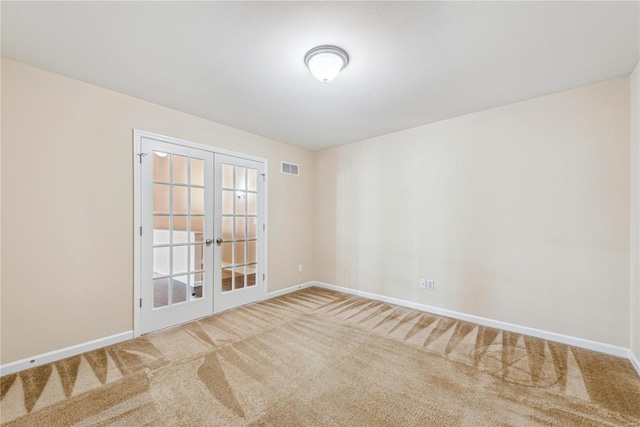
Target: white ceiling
(241,63)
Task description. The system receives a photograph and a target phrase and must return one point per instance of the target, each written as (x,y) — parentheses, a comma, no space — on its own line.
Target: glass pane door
(178,218)
(240,230)
(239,227)
(178,197)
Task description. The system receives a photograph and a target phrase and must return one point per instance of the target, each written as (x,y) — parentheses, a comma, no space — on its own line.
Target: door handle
(208,242)
(219,241)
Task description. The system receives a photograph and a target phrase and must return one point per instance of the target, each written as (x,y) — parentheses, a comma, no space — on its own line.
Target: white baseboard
(634,361)
(551,336)
(53,356)
(289,289)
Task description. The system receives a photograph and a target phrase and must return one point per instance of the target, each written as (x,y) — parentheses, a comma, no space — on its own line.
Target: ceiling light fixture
(325,62)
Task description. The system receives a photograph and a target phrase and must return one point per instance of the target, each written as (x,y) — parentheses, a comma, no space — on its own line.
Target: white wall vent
(289,168)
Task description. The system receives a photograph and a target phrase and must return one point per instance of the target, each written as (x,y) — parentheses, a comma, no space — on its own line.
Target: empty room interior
(320,213)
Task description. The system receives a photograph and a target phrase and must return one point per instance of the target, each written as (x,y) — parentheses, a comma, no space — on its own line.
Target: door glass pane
(179,289)
(197,228)
(196,282)
(252,179)
(252,207)
(197,258)
(227,279)
(179,199)
(178,190)
(252,251)
(227,228)
(160,229)
(180,229)
(240,222)
(196,279)
(180,170)
(161,198)
(227,176)
(161,166)
(197,172)
(252,227)
(180,261)
(160,292)
(226,253)
(240,277)
(227,202)
(239,255)
(197,200)
(161,259)
(241,197)
(251,274)
(241,178)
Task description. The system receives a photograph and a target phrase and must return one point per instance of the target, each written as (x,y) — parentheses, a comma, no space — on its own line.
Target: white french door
(177,225)
(239,229)
(202,232)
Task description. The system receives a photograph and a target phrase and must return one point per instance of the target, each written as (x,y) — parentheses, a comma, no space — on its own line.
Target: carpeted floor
(317,357)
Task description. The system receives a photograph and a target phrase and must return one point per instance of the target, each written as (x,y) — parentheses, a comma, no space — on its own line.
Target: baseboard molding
(53,356)
(634,361)
(289,289)
(551,336)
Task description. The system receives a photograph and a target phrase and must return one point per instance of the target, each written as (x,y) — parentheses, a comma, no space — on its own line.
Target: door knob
(208,242)
(219,240)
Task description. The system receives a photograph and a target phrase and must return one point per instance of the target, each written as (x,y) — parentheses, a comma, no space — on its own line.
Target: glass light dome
(326,62)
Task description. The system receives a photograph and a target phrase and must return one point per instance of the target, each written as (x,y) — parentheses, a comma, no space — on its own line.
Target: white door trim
(137,209)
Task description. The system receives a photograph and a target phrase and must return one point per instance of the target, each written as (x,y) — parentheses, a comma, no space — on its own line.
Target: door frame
(137,210)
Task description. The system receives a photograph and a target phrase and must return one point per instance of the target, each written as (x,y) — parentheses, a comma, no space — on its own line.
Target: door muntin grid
(239,248)
(178,229)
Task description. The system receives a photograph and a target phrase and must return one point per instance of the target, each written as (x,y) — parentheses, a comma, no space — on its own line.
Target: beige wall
(634,297)
(1,62)
(67,206)
(520,213)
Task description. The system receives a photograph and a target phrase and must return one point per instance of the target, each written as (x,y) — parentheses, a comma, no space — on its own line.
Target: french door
(202,233)
(239,227)
(177,225)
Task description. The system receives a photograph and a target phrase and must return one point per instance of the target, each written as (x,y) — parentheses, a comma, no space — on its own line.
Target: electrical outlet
(300,268)
(430,284)
(423,283)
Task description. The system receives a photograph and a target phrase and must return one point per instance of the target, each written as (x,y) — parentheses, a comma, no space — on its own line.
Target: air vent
(289,168)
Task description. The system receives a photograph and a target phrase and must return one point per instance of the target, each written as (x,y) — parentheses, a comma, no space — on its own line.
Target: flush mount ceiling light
(325,62)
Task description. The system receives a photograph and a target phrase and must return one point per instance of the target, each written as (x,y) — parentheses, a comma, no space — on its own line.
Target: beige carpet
(317,357)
